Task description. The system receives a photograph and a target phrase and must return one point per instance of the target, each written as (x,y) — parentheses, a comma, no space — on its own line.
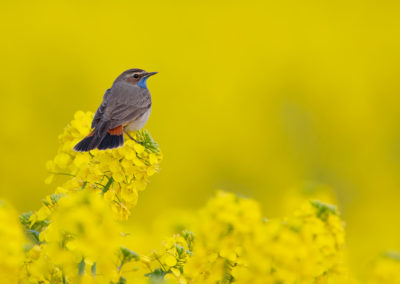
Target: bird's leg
(127,133)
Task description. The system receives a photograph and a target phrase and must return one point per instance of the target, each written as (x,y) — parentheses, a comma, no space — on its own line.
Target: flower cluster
(78,235)
(119,174)
(385,269)
(72,245)
(11,240)
(234,244)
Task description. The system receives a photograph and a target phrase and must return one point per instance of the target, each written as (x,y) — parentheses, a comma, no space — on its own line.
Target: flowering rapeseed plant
(233,243)
(77,236)
(11,244)
(119,174)
(80,239)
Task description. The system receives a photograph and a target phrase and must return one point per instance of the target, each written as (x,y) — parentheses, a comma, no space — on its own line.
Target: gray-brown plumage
(126,106)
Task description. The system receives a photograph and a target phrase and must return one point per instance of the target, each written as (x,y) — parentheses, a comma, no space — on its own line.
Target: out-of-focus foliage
(11,244)
(76,237)
(81,240)
(232,243)
(385,269)
(255,97)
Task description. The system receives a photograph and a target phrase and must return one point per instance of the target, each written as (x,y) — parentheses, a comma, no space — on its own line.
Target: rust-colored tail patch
(114,138)
(116,131)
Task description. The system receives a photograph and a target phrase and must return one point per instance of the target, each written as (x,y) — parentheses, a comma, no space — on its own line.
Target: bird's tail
(114,138)
(101,138)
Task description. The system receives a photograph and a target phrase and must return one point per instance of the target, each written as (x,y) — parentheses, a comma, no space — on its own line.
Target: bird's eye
(136,76)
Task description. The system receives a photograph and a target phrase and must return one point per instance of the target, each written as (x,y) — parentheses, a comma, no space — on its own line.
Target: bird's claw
(126,132)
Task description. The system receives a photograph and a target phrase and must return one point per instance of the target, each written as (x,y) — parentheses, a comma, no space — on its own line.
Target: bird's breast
(139,122)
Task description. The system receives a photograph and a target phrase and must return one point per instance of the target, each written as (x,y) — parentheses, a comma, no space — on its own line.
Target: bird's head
(136,77)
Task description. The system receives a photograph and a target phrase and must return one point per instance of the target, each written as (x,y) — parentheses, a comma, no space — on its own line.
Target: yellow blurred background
(255,97)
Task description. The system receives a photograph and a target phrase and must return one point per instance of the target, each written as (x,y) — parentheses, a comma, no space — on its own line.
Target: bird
(126,106)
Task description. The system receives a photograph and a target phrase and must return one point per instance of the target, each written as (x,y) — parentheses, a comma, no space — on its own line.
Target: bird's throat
(143,82)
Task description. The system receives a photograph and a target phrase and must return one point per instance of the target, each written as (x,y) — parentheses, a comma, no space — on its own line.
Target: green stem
(107,186)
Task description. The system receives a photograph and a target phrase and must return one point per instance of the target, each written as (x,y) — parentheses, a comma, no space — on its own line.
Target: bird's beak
(148,74)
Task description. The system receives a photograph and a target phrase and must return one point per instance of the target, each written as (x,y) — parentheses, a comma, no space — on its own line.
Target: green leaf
(121,280)
(108,184)
(93,269)
(32,231)
(81,267)
(157,276)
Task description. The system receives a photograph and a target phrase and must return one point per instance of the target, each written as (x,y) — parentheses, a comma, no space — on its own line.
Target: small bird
(126,107)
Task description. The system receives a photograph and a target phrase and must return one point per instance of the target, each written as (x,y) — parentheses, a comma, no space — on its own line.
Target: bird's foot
(127,133)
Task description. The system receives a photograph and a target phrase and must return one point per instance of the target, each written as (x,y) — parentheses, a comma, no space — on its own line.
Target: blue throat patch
(143,82)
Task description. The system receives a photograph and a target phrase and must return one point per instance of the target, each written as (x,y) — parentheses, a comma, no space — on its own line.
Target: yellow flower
(75,237)
(120,172)
(170,260)
(385,269)
(82,233)
(234,243)
(11,244)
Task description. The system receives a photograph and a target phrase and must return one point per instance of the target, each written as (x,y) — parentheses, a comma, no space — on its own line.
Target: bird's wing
(101,109)
(127,103)
(129,113)
(126,113)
